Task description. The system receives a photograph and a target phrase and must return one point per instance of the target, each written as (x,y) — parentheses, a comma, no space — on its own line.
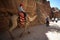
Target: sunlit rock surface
(43,10)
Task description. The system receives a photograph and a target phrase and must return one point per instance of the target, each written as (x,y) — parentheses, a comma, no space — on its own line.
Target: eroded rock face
(56,12)
(5,7)
(41,8)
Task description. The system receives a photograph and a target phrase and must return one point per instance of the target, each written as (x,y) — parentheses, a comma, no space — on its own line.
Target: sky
(55,3)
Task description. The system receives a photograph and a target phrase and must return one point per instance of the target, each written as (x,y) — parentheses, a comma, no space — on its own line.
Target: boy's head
(21,4)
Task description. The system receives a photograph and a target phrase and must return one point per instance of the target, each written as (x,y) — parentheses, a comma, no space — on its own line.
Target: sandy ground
(36,33)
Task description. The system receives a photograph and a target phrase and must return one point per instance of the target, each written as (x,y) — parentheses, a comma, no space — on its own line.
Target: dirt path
(36,33)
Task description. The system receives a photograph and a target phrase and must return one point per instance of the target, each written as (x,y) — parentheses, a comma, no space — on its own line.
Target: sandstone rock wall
(41,8)
(56,12)
(5,7)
